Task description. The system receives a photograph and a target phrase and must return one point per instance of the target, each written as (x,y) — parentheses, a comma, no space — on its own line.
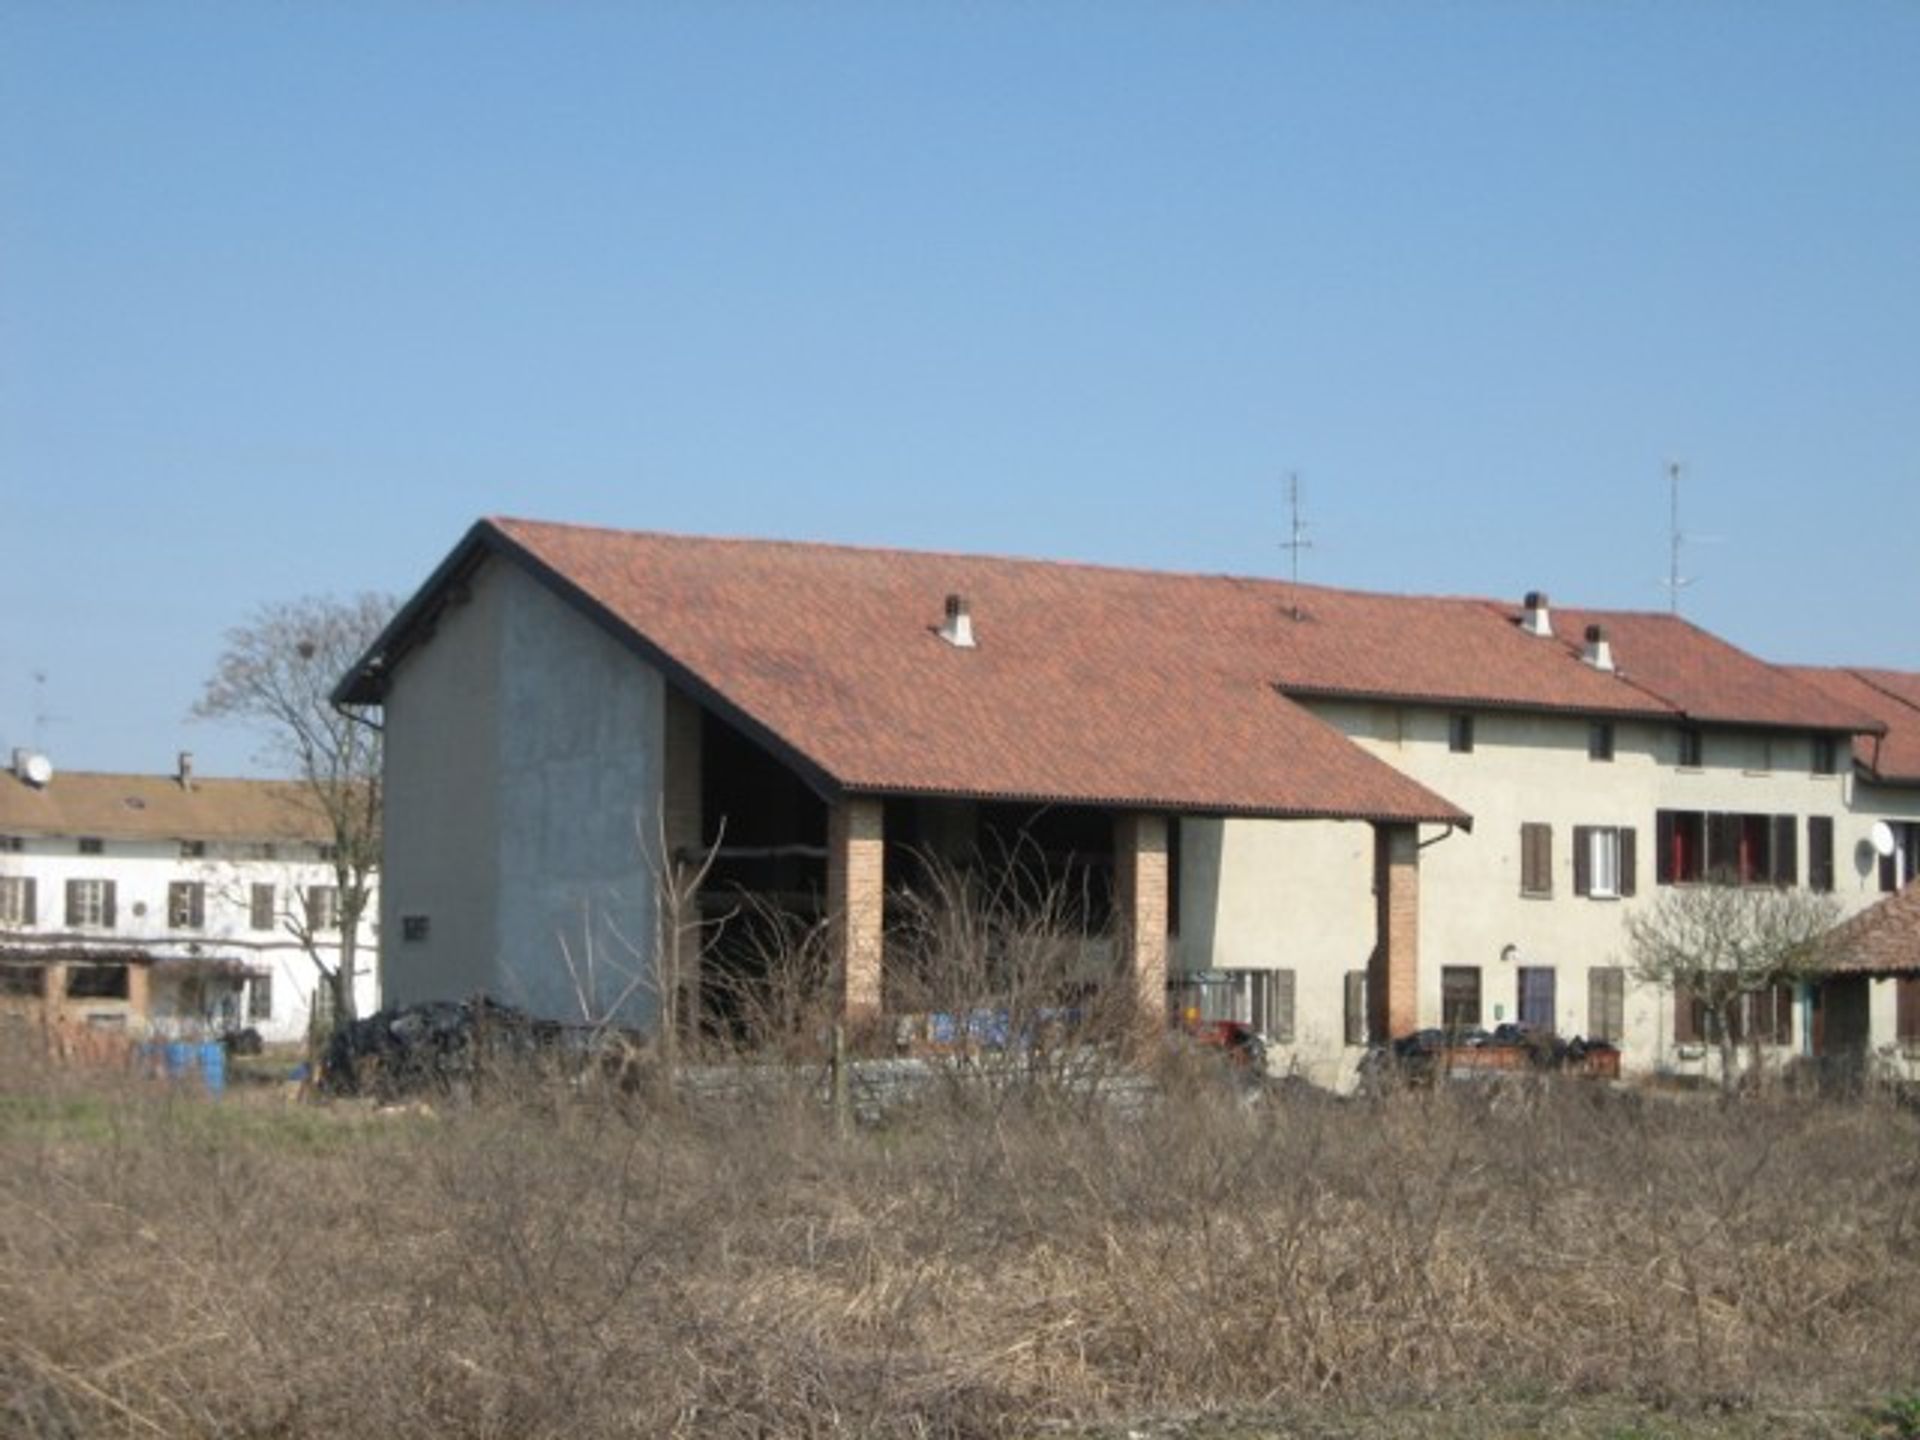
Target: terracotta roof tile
(1101,684)
(155,807)
(1088,684)
(1892,697)
(1883,939)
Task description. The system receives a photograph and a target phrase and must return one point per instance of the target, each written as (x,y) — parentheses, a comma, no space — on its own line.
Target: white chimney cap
(1599,651)
(957,628)
(1537,618)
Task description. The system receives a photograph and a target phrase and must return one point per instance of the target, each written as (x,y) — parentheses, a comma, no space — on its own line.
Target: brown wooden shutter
(1582,859)
(1723,848)
(1786,855)
(1686,1024)
(1536,858)
(1906,1009)
(1783,1014)
(30,902)
(73,904)
(1629,859)
(1889,881)
(1356,1007)
(1280,1006)
(1820,852)
(108,906)
(199,906)
(1663,847)
(1606,1003)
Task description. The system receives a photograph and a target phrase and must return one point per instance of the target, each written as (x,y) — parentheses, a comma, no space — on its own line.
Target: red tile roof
(1094,684)
(1892,697)
(1089,685)
(1883,939)
(1704,678)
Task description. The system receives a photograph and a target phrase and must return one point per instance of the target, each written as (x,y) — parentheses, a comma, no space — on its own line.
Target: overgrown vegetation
(561,1261)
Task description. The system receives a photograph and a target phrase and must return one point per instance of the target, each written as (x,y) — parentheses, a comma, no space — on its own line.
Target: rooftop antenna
(1296,540)
(42,717)
(1676,537)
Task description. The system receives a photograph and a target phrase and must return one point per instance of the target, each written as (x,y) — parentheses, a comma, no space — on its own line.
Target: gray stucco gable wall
(523,771)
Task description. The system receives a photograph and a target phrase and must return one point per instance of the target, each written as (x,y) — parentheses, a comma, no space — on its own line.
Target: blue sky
(291,293)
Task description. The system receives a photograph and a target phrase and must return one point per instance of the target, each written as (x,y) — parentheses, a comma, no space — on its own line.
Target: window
(1260,998)
(1906,1010)
(266,850)
(1820,853)
(89,845)
(1693,749)
(414,928)
(97,982)
(1605,858)
(327,854)
(23,982)
(1536,859)
(1904,863)
(1740,849)
(18,901)
(186,905)
(1460,997)
(1356,1007)
(1460,734)
(1767,1014)
(261,901)
(90,904)
(193,849)
(1826,755)
(323,907)
(260,997)
(1600,740)
(13,844)
(1607,1004)
(1536,996)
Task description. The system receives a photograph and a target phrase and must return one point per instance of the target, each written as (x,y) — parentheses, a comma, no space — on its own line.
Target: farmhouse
(1336,814)
(166,904)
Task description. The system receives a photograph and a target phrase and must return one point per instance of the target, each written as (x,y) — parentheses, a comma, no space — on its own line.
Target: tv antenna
(1676,537)
(42,717)
(1296,540)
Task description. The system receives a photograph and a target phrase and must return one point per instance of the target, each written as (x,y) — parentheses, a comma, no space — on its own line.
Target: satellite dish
(40,770)
(1882,836)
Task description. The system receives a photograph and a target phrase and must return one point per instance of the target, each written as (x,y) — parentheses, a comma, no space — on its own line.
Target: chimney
(20,754)
(185,772)
(1599,653)
(957,628)
(1538,619)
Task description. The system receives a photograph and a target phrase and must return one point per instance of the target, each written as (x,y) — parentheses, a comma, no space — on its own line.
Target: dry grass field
(1476,1261)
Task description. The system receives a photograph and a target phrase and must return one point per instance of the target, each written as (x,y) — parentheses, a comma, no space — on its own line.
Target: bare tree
(276,674)
(1721,943)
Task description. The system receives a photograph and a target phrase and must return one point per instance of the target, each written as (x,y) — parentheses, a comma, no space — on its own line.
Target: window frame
(1600,741)
(1460,732)
(1452,978)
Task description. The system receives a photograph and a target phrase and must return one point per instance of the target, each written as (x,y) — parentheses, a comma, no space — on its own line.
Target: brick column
(681,827)
(1140,909)
(1393,978)
(856,895)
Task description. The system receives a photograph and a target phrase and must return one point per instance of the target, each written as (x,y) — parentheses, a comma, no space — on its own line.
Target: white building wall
(142,872)
(1277,894)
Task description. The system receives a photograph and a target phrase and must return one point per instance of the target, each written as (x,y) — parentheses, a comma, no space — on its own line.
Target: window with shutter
(90,904)
(1820,852)
(1536,996)
(1607,1004)
(16,901)
(1460,996)
(260,907)
(1688,1026)
(1786,855)
(1536,859)
(260,997)
(1906,1010)
(1279,1018)
(186,905)
(1356,1007)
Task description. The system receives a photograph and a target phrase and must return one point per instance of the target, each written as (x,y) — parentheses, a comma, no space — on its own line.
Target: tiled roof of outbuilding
(1883,939)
